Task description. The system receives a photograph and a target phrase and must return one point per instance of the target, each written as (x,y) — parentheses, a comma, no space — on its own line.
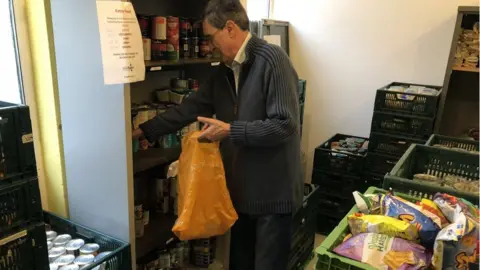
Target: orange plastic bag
(204,205)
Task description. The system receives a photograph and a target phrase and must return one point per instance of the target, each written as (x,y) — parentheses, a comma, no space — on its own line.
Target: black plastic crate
(327,159)
(451,142)
(411,126)
(300,254)
(326,224)
(388,144)
(380,164)
(334,207)
(335,184)
(302,88)
(25,250)
(310,204)
(17,155)
(21,205)
(437,162)
(407,103)
(118,259)
(370,179)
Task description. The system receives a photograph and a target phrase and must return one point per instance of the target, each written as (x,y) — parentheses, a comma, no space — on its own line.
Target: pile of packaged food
(467,51)
(452,181)
(390,232)
(65,253)
(412,89)
(350,145)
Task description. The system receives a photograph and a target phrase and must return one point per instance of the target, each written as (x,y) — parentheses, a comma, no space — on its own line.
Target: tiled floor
(318,241)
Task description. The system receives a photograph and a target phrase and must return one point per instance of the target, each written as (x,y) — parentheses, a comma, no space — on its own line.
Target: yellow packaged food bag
(204,205)
(360,223)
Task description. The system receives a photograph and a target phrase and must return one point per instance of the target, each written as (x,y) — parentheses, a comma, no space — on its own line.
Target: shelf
(158,233)
(466,69)
(158,65)
(146,159)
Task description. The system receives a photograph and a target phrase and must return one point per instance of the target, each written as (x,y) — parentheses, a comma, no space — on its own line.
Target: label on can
(159,27)
(159,48)
(147,49)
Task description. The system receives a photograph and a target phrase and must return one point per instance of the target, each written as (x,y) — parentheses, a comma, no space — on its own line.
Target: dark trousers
(260,242)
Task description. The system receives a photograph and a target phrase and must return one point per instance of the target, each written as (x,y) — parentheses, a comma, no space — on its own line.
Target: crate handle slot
(390,162)
(13,237)
(3,120)
(401,142)
(398,120)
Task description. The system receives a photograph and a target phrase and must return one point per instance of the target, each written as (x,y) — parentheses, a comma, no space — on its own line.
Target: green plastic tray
(469,145)
(329,260)
(434,161)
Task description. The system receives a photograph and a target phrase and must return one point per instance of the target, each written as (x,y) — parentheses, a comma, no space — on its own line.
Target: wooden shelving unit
(459,101)
(466,69)
(152,164)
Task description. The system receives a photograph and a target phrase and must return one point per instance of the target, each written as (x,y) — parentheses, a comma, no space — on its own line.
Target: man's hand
(137,134)
(214,130)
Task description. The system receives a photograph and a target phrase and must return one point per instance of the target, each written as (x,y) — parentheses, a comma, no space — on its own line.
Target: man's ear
(230,25)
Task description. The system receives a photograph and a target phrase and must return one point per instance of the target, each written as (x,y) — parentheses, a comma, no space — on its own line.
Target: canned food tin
(55,253)
(144,22)
(73,246)
(90,248)
(159,27)
(172,52)
(193,84)
(51,235)
(185,27)
(53,266)
(177,83)
(185,47)
(49,244)
(194,47)
(159,49)
(61,240)
(197,29)
(64,260)
(172,38)
(84,260)
(147,49)
(70,267)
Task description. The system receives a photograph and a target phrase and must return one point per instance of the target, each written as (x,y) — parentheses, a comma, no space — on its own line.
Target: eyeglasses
(212,36)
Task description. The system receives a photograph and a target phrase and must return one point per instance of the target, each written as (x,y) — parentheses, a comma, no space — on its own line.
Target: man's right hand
(137,133)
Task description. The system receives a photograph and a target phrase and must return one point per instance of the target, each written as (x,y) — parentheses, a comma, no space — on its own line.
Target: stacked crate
(337,174)
(399,119)
(23,243)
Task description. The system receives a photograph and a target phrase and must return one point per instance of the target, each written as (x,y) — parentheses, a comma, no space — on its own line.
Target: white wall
(347,49)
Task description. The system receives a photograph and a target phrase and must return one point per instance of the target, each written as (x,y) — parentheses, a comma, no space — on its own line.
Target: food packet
(367,203)
(384,252)
(456,245)
(430,206)
(360,223)
(428,224)
(448,204)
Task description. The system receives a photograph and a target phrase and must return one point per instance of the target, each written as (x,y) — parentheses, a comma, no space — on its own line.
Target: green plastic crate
(329,260)
(469,145)
(438,162)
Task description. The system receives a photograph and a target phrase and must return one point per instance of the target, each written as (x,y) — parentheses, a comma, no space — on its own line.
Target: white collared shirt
(238,61)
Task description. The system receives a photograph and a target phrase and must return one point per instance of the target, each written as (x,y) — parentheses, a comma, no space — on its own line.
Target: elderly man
(254,97)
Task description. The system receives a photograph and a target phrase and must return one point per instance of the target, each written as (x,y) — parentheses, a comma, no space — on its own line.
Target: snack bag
(428,224)
(384,252)
(456,245)
(367,203)
(430,206)
(360,223)
(448,204)
(204,205)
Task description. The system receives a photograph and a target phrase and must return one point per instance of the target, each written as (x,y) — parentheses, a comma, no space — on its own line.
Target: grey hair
(218,12)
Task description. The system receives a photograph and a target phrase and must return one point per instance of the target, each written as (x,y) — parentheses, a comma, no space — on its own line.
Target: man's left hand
(216,130)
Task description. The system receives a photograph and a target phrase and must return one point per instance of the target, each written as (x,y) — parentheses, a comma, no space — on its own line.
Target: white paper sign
(121,42)
(273,39)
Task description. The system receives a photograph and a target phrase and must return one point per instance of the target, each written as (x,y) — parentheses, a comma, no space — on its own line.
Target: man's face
(221,39)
